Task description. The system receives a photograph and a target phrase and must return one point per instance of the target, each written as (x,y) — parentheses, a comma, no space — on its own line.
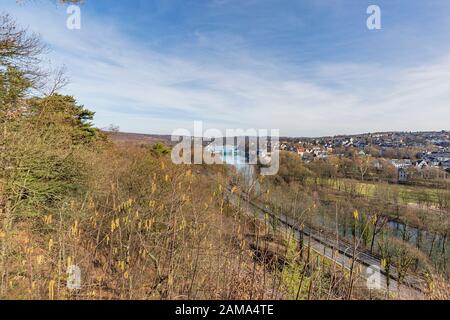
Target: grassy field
(403,193)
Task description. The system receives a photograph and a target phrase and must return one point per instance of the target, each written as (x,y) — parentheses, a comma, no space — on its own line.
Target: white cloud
(142,90)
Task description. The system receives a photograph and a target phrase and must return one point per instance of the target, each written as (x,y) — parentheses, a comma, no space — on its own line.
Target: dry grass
(146,229)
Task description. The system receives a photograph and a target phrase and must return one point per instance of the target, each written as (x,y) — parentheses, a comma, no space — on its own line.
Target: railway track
(341,252)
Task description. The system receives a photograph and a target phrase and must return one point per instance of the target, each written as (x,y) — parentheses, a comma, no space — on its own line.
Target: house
(377,164)
(347,143)
(445,165)
(307,157)
(405,163)
(421,165)
(301,151)
(318,153)
(402,175)
(443,157)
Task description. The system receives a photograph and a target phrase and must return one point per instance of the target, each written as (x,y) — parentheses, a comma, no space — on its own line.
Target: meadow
(407,194)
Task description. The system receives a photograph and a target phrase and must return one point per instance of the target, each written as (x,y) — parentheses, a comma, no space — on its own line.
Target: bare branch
(53,80)
(19,48)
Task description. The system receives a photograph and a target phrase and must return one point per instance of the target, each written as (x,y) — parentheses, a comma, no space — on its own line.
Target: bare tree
(20,49)
(53,81)
(378,222)
(23,51)
(363,164)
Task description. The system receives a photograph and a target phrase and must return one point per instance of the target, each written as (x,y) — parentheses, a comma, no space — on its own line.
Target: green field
(402,193)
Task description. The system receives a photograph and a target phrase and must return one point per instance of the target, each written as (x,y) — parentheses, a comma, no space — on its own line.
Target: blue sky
(308,68)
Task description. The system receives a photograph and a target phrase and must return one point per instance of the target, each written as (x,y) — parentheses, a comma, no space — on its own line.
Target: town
(428,153)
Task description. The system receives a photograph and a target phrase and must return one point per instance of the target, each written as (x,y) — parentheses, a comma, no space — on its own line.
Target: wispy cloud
(142,89)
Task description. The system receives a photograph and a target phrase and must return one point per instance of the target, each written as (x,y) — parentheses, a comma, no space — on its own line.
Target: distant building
(301,151)
(401,164)
(420,165)
(377,164)
(402,175)
(446,165)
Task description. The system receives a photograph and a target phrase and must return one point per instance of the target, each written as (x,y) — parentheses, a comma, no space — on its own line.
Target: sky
(307,68)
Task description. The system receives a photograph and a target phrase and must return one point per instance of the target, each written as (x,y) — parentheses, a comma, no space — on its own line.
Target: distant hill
(137,138)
